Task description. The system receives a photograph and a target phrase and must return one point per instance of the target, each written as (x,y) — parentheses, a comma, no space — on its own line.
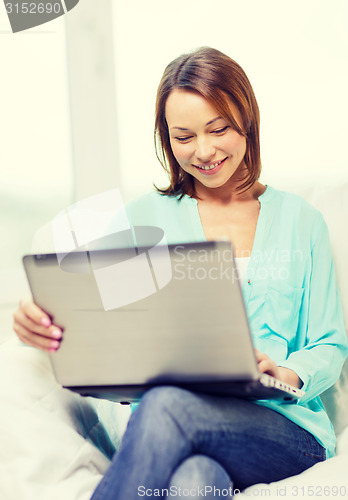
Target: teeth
(209,167)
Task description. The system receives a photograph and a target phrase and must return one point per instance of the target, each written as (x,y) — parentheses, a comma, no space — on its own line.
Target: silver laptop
(137,317)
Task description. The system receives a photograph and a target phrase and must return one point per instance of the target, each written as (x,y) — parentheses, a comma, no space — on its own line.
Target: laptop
(138,317)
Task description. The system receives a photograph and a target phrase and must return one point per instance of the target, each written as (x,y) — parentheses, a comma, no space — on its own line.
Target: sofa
(56,444)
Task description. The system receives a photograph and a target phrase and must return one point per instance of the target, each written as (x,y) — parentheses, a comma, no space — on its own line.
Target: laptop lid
(136,316)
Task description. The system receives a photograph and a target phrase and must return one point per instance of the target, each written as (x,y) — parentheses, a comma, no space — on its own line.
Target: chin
(215,183)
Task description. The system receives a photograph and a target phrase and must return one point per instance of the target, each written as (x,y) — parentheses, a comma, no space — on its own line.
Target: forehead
(185,106)
(184,103)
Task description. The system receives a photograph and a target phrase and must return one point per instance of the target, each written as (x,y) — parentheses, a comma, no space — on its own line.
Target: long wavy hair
(217,78)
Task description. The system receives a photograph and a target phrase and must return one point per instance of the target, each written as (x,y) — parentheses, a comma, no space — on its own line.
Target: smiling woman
(207,133)
(210,96)
(207,130)
(207,145)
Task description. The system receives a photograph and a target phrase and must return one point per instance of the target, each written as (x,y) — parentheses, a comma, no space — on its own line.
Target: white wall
(295,55)
(89,36)
(36,174)
(35,153)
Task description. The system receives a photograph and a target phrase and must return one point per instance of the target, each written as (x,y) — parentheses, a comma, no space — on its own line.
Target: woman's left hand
(267,365)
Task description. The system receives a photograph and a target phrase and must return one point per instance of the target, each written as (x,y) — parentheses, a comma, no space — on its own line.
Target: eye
(183,139)
(220,130)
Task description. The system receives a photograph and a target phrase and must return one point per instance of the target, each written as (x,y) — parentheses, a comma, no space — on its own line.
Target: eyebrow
(209,123)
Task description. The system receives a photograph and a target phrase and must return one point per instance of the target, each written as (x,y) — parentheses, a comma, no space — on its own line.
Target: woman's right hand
(34,327)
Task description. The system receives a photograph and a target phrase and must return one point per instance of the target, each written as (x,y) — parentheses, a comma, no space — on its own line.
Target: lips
(210,169)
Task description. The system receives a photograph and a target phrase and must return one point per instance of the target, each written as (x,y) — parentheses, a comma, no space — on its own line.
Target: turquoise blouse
(289,289)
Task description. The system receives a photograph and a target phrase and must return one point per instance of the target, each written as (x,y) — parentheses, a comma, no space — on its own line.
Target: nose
(205,149)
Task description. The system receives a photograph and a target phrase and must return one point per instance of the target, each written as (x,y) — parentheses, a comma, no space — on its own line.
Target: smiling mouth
(209,167)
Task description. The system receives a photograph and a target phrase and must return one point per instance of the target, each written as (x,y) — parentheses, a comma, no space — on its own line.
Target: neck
(228,193)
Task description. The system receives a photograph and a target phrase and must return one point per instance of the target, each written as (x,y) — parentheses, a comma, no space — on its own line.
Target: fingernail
(56,334)
(54,344)
(45,322)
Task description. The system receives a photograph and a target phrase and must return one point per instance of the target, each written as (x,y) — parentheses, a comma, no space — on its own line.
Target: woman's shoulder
(150,197)
(175,215)
(294,204)
(296,216)
(154,200)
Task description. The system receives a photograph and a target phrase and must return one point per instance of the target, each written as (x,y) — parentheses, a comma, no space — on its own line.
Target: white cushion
(53,442)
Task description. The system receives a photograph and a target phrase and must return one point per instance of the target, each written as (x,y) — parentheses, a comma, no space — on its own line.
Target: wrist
(290,377)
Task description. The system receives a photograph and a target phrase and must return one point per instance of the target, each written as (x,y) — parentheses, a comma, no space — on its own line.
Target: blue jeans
(182,442)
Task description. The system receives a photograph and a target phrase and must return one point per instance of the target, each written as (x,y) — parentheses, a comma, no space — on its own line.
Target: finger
(266,366)
(35,340)
(260,355)
(35,313)
(24,321)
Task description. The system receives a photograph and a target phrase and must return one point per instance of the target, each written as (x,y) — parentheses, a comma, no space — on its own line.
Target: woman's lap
(250,442)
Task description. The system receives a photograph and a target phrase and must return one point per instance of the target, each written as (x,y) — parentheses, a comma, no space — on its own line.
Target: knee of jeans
(200,471)
(164,398)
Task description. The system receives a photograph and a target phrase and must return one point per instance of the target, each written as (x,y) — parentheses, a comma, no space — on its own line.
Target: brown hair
(217,78)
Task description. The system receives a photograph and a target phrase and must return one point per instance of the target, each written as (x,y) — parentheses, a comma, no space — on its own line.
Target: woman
(178,442)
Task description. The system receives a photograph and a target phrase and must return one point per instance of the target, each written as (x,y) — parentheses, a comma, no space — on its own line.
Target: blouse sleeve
(319,362)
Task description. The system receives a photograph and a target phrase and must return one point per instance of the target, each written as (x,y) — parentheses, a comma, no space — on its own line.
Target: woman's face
(203,143)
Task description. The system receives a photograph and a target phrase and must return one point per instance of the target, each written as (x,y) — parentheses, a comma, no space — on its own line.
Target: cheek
(234,144)
(181,152)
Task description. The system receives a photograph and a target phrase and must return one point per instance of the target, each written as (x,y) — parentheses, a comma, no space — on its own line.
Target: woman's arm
(267,365)
(319,363)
